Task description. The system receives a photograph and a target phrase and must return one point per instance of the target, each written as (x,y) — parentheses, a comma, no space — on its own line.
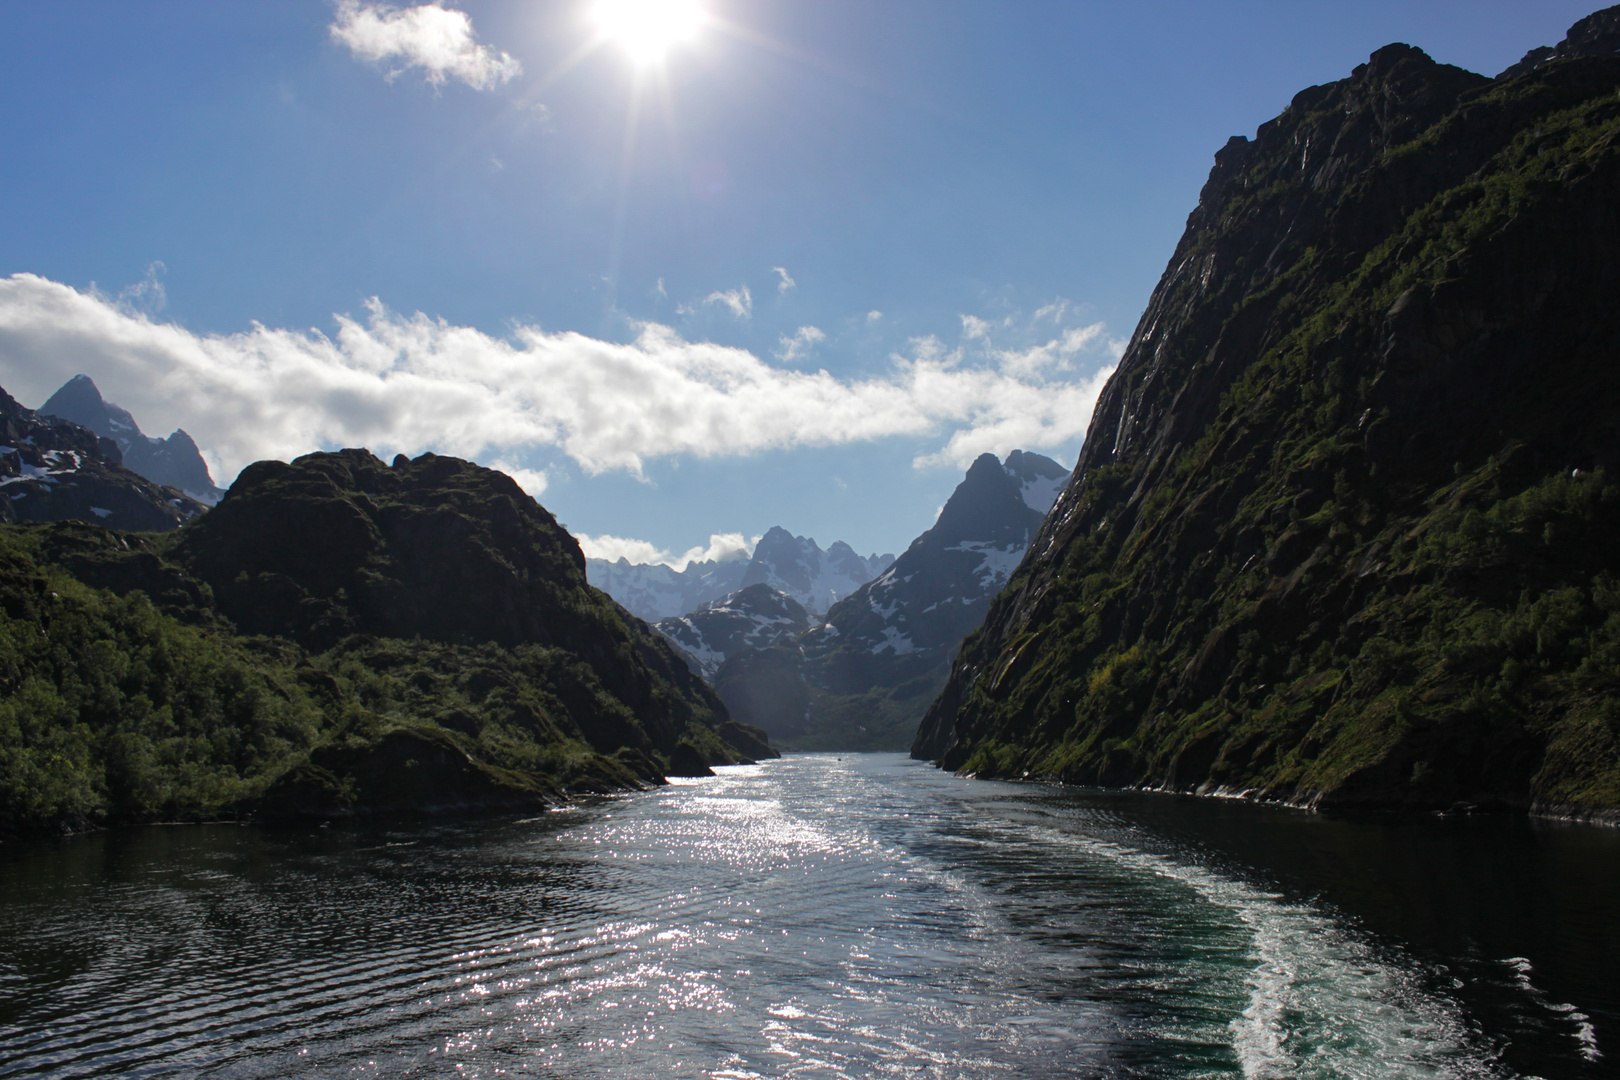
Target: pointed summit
(175,461)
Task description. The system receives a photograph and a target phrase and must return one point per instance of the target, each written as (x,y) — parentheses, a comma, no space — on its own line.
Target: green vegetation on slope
(1346,525)
(489,674)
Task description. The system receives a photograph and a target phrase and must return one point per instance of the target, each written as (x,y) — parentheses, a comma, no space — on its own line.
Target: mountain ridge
(863,677)
(172,462)
(1279,571)
(793,565)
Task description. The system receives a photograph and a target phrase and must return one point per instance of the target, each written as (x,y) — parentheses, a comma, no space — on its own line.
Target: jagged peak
(1596,35)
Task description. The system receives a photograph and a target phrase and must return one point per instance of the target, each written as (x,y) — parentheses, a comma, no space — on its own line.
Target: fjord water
(820,916)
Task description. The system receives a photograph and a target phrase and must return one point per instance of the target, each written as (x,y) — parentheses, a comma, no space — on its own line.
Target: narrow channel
(820,916)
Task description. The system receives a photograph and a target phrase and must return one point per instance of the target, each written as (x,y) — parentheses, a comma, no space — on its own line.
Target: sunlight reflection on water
(814,917)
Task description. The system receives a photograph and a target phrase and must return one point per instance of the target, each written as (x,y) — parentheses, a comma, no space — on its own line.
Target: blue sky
(798,273)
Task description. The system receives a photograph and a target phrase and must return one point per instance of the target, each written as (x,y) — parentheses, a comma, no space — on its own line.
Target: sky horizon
(799,268)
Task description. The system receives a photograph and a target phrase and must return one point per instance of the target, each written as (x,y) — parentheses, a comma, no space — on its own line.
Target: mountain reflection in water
(821,916)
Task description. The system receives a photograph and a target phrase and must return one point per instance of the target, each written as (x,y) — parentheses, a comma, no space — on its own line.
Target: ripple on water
(812,917)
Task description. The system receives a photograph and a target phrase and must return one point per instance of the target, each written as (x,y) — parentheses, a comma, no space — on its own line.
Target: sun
(647,29)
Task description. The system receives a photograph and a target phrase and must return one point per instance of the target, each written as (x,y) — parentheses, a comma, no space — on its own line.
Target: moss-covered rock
(1343,528)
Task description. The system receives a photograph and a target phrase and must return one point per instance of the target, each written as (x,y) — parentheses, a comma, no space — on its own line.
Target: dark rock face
(173,462)
(55,470)
(437,548)
(1359,450)
(753,618)
(1596,35)
(863,679)
(340,543)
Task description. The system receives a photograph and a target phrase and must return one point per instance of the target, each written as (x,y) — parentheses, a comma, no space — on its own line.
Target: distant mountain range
(173,462)
(792,565)
(863,677)
(52,469)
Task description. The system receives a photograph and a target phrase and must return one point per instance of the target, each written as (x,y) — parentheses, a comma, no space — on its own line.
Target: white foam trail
(1322,1002)
(1584,1033)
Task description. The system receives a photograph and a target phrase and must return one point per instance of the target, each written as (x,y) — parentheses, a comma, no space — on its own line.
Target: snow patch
(1042,491)
(996,564)
(894,641)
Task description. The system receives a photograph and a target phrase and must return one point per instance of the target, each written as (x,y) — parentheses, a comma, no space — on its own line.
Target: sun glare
(647,29)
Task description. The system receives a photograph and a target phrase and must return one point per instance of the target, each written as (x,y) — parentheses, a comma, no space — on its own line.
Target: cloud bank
(410,383)
(437,39)
(723,547)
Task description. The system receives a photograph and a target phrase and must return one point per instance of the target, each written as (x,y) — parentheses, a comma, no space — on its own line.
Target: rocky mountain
(863,678)
(793,565)
(173,462)
(653,591)
(1342,531)
(338,636)
(52,470)
(752,618)
(797,567)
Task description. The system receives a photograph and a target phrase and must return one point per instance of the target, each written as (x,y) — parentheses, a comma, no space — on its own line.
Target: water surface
(821,916)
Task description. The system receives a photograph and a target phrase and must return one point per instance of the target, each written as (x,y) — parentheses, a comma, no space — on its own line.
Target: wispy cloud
(974,327)
(803,340)
(1053,311)
(437,39)
(787,281)
(1058,353)
(874,315)
(147,296)
(723,547)
(739,301)
(409,383)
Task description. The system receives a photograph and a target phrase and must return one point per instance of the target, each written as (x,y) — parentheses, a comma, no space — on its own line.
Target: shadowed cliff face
(434,548)
(1342,527)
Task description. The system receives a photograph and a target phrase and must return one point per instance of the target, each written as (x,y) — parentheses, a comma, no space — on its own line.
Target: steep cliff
(1342,531)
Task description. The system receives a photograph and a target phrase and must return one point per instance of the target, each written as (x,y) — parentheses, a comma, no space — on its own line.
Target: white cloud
(874,315)
(409,383)
(437,39)
(723,547)
(1054,311)
(1023,416)
(740,301)
(533,481)
(802,341)
(614,548)
(146,295)
(974,327)
(787,282)
(1057,353)
(659,290)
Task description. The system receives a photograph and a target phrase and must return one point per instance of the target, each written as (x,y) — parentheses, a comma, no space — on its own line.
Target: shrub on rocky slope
(1343,528)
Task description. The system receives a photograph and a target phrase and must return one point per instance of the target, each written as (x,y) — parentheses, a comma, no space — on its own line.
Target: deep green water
(862,916)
